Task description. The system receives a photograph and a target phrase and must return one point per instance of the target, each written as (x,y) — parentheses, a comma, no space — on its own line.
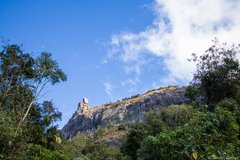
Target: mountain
(87,119)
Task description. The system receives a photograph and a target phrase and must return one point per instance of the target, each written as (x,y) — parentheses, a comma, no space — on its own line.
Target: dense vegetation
(209,128)
(27,127)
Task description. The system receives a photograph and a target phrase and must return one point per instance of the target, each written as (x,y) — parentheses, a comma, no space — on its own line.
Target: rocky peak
(128,110)
(83,106)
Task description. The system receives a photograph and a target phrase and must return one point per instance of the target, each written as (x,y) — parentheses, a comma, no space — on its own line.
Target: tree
(73,148)
(154,123)
(217,76)
(22,80)
(133,140)
(177,115)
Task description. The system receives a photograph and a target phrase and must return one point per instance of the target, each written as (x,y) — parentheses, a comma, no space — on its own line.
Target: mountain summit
(87,119)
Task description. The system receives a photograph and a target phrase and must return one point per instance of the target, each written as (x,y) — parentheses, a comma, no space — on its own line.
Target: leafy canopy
(217,76)
(24,121)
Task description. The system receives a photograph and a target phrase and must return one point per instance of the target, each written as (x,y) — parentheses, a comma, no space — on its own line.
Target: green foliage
(153,123)
(101,151)
(207,134)
(99,132)
(167,145)
(37,152)
(177,115)
(133,140)
(6,133)
(73,148)
(24,121)
(48,69)
(217,76)
(230,105)
(88,148)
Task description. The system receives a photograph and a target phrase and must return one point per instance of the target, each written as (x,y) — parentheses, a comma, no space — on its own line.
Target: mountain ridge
(125,111)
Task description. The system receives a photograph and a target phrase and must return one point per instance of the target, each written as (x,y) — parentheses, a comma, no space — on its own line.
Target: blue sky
(111,49)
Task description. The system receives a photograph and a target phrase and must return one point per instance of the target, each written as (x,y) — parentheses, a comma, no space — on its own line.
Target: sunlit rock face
(128,110)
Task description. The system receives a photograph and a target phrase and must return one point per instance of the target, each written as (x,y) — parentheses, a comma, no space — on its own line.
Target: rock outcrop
(128,110)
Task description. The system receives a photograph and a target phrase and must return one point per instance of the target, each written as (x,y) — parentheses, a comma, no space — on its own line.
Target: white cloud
(131,82)
(180,28)
(108,89)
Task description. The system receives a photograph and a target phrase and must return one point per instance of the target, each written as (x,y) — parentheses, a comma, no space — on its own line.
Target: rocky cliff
(128,110)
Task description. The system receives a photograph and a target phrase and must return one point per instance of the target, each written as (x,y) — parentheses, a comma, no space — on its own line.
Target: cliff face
(87,119)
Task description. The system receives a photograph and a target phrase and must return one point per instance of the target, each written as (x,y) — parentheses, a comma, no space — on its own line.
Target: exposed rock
(128,110)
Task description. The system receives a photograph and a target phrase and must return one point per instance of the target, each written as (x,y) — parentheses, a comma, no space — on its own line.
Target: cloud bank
(180,28)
